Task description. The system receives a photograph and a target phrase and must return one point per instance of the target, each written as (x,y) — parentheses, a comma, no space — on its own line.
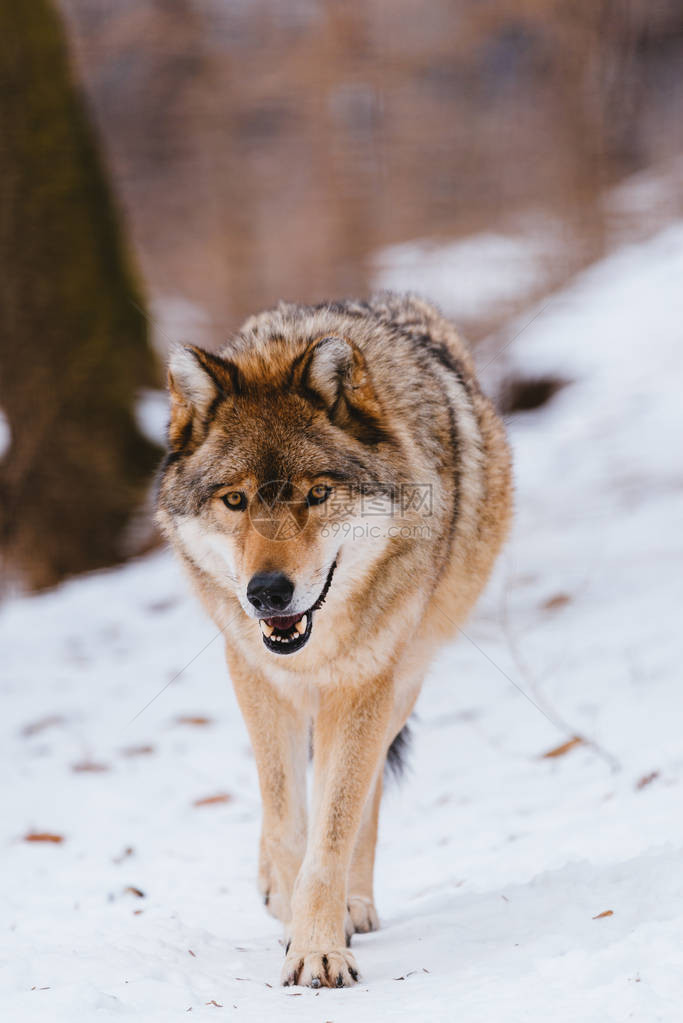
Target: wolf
(337,487)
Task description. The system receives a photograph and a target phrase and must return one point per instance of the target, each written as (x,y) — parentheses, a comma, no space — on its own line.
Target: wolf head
(273,449)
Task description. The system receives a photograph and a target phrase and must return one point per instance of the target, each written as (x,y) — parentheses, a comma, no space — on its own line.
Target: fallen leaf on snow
(221,797)
(560,751)
(189,719)
(39,726)
(43,836)
(219,1005)
(558,600)
(132,890)
(128,851)
(607,912)
(89,766)
(136,751)
(647,779)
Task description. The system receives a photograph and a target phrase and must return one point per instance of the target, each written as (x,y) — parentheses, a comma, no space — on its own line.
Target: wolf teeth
(271,633)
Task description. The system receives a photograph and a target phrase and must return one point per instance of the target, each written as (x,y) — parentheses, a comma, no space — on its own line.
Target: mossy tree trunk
(73,341)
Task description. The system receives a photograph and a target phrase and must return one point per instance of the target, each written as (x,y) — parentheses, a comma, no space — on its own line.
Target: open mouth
(285,634)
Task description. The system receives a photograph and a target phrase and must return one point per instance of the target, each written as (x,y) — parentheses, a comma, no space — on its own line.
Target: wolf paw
(362,916)
(336,968)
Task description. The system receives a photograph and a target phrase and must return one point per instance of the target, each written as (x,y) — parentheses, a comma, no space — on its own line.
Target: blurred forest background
(168,167)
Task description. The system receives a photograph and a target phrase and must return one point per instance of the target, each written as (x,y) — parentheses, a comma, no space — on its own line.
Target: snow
(151,413)
(487,276)
(5,434)
(495,863)
(474,277)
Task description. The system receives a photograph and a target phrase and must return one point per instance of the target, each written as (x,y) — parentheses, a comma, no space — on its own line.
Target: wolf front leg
(279,739)
(362,915)
(349,744)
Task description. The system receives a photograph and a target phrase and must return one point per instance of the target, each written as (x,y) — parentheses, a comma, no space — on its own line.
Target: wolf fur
(365,400)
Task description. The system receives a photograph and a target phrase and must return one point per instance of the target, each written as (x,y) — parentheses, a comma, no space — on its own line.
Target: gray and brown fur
(369,397)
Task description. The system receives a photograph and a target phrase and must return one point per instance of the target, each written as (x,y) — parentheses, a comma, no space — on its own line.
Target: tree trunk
(73,340)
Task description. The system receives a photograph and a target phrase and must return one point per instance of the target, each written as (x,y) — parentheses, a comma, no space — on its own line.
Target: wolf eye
(235,500)
(319,493)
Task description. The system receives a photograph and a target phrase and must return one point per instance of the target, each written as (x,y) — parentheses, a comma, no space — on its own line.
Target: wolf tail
(397,754)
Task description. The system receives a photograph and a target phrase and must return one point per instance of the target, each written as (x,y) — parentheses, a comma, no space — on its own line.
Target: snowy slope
(494,863)
(474,277)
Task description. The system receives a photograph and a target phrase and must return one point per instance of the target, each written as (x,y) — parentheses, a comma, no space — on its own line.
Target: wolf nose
(270,591)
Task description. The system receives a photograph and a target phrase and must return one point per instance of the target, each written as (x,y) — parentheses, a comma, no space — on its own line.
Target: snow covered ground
(474,277)
(511,886)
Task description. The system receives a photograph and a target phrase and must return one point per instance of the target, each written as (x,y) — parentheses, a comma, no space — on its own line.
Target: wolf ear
(335,374)
(195,379)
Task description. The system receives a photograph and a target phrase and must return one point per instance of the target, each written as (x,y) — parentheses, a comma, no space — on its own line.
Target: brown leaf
(192,953)
(560,751)
(89,766)
(647,779)
(136,751)
(607,912)
(221,797)
(39,726)
(189,719)
(556,601)
(132,890)
(43,836)
(219,1005)
(128,851)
